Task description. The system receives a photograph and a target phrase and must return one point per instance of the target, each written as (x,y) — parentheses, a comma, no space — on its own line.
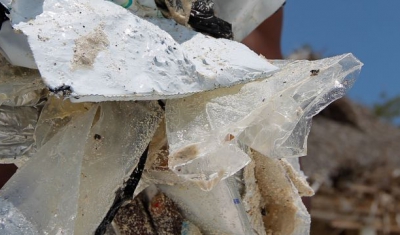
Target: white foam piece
(105,52)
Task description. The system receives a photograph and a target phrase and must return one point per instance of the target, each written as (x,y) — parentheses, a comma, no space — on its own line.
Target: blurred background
(353,160)
(368,29)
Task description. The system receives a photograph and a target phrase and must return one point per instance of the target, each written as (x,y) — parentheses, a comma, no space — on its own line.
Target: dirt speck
(184,155)
(88,47)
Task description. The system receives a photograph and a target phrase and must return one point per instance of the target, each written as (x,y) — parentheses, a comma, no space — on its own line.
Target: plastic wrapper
(124,57)
(272,116)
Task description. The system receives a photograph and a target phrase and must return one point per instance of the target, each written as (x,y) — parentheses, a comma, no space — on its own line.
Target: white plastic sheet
(104,52)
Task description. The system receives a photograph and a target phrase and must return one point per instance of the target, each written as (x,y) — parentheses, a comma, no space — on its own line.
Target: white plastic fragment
(104,52)
(272,116)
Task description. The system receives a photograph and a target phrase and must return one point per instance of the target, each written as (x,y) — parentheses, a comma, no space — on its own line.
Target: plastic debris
(272,116)
(20,93)
(215,212)
(124,57)
(220,156)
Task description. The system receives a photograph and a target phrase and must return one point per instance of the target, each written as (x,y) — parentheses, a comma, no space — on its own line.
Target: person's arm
(266,38)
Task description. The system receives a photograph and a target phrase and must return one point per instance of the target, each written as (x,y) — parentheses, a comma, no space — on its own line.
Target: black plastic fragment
(203,20)
(124,195)
(64,89)
(3,14)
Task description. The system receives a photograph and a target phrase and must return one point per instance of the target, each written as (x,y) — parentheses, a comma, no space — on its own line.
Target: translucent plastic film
(271,116)
(54,169)
(85,153)
(218,211)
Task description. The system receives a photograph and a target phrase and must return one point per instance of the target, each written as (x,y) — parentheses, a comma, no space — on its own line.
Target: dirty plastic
(89,155)
(286,213)
(124,57)
(19,86)
(272,116)
(54,169)
(17,126)
(20,91)
(219,211)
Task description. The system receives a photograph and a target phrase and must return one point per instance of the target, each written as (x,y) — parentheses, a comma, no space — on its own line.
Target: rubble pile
(136,124)
(357,182)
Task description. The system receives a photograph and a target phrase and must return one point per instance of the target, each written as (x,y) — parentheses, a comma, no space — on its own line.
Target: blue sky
(368,29)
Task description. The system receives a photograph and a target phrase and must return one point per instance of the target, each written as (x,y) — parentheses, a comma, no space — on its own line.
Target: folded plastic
(272,116)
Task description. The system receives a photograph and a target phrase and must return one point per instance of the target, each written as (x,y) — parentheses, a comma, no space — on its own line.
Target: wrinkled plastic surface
(19,86)
(20,90)
(124,57)
(272,116)
(17,126)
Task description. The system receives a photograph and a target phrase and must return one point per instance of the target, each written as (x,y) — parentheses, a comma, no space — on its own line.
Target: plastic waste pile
(122,116)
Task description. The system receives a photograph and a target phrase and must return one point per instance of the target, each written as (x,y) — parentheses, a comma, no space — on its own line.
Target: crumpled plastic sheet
(17,126)
(79,165)
(272,116)
(20,92)
(19,86)
(124,57)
